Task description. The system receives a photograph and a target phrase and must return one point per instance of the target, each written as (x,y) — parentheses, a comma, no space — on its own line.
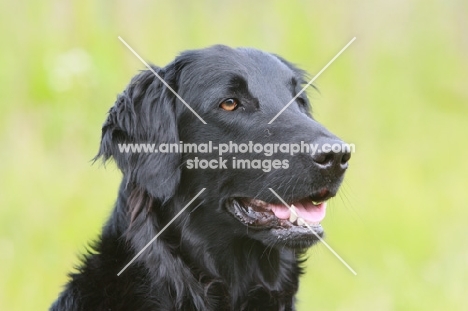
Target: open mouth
(305,213)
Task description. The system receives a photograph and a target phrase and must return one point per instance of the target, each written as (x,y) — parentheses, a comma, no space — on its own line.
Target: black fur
(206,259)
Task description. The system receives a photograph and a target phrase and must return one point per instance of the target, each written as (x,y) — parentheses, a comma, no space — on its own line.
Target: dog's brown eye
(229,104)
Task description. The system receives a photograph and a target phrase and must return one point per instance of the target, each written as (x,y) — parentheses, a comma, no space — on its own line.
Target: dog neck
(226,271)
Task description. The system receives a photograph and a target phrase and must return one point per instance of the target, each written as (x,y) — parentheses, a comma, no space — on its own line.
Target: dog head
(236,92)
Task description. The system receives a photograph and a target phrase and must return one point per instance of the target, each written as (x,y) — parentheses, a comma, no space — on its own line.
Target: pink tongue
(304,209)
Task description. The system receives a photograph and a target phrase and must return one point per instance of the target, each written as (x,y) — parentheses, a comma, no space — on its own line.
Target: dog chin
(295,226)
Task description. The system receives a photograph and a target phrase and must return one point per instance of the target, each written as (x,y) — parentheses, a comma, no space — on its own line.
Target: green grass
(399,93)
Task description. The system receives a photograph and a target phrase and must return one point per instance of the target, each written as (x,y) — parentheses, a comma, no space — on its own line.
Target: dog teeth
(317,203)
(300,221)
(293,215)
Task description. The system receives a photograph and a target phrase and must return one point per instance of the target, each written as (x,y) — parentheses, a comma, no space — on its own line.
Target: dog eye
(229,104)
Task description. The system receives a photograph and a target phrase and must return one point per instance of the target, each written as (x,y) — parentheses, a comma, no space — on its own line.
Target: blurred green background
(399,93)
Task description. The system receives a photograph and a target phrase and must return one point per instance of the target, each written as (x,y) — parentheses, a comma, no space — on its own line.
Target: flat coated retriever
(237,246)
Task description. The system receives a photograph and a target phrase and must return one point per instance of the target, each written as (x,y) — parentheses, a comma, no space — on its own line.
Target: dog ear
(302,78)
(144,115)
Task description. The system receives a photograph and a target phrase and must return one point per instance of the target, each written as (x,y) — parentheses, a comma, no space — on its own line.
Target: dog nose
(332,156)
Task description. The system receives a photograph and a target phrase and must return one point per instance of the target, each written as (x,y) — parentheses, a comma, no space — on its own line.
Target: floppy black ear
(144,114)
(301,78)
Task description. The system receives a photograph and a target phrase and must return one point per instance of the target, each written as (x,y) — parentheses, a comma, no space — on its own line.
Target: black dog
(236,247)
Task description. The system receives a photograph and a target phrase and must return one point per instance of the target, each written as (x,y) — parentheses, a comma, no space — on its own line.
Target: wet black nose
(332,156)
